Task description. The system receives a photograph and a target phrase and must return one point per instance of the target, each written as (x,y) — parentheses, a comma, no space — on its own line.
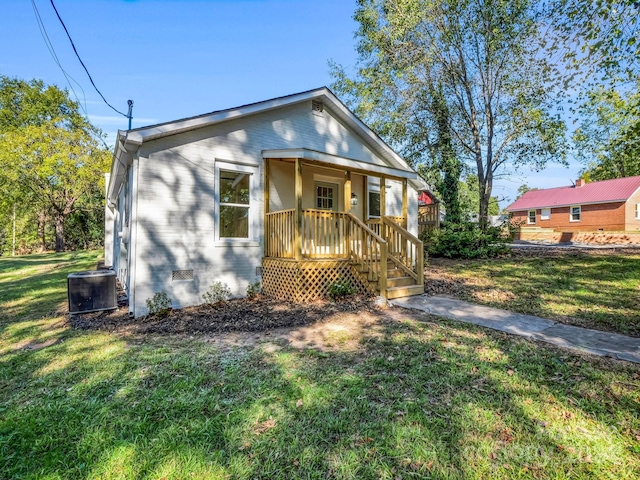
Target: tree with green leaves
(524,188)
(597,39)
(483,56)
(597,43)
(608,137)
(51,159)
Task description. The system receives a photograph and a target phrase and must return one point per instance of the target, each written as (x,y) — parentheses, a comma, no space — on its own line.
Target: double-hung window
(235,202)
(575,213)
(531,217)
(637,211)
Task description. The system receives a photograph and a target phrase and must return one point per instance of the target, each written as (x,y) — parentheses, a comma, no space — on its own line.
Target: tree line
(52,164)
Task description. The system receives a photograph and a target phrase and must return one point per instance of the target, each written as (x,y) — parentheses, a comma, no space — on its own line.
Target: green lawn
(600,291)
(418,398)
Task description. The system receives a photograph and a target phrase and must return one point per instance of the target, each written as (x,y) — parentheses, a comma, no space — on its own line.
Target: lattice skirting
(307,280)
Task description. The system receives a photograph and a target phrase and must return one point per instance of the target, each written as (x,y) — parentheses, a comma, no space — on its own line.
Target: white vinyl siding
(531,217)
(575,213)
(178,212)
(545,214)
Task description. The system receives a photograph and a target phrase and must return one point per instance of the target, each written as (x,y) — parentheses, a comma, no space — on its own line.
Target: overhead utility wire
(83,65)
(52,51)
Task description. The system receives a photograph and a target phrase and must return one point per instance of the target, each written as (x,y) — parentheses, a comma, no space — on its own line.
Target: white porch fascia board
(348,163)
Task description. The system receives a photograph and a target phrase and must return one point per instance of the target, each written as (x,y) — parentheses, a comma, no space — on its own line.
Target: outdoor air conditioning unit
(92,291)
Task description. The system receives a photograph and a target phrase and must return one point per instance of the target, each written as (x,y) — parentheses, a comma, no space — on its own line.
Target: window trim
(535,214)
(637,211)
(252,172)
(579,207)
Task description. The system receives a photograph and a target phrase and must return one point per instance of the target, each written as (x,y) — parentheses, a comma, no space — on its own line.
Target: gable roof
(129,141)
(606,191)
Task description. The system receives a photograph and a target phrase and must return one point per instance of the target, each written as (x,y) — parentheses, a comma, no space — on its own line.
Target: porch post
(297,234)
(405,205)
(265,225)
(347,192)
(383,205)
(365,199)
(347,208)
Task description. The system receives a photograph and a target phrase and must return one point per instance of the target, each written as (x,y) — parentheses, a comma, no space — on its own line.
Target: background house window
(234,204)
(531,217)
(637,211)
(575,214)
(545,214)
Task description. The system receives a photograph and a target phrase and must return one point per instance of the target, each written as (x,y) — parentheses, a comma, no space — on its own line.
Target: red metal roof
(617,190)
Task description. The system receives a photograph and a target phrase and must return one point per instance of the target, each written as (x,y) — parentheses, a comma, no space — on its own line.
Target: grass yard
(597,290)
(411,396)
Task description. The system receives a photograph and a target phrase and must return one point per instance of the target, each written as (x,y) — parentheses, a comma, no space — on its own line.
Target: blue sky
(178,58)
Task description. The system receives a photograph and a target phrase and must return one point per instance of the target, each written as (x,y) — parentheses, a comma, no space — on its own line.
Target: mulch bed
(237,315)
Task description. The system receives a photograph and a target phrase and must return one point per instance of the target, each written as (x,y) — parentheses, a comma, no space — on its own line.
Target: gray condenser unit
(92,291)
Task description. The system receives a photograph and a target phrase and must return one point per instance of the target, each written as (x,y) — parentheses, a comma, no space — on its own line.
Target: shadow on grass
(417,399)
(598,292)
(35,292)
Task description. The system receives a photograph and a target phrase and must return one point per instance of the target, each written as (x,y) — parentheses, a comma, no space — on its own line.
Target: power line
(82,63)
(52,51)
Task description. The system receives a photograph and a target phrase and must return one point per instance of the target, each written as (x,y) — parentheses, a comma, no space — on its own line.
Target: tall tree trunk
(59,218)
(486,185)
(42,229)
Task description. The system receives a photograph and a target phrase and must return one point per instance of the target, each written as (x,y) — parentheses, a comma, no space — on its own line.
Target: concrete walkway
(582,339)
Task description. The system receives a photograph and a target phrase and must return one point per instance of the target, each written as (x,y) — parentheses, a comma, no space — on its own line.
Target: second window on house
(532,217)
(575,214)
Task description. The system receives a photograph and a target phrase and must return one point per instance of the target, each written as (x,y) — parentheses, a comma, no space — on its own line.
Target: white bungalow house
(295,192)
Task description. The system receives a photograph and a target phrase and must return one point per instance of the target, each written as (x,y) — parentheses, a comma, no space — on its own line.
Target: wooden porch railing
(327,234)
(375,224)
(368,251)
(404,249)
(428,217)
(279,232)
(324,234)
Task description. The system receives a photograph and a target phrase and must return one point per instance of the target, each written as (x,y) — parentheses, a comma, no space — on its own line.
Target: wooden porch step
(398,292)
(404,281)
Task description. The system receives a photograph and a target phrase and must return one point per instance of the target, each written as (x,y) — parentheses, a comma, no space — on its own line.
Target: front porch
(308,249)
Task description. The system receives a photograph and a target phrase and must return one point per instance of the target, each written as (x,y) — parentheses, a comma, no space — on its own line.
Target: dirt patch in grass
(270,323)
(258,314)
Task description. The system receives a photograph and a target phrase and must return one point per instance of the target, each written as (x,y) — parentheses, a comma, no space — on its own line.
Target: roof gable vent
(317,107)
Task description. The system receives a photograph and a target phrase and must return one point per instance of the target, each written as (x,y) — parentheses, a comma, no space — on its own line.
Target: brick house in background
(608,205)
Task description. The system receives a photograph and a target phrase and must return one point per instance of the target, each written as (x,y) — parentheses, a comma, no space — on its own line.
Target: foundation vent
(182,275)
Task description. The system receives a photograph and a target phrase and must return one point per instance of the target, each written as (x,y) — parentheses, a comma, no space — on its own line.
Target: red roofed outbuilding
(612,205)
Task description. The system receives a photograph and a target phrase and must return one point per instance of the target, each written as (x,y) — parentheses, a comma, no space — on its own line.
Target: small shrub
(159,305)
(218,292)
(467,240)
(254,289)
(340,289)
